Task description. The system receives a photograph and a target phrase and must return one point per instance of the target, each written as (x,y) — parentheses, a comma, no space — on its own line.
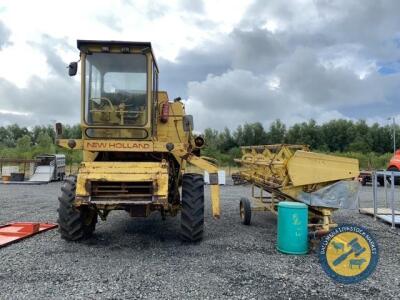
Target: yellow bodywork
(153,172)
(285,171)
(305,168)
(133,172)
(131,151)
(212,170)
(136,144)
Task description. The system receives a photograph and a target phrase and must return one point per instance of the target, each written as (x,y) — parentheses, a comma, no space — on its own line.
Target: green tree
(277,132)
(238,136)
(17,132)
(225,140)
(24,147)
(44,144)
(6,140)
(259,135)
(211,138)
(24,143)
(338,134)
(305,133)
(72,132)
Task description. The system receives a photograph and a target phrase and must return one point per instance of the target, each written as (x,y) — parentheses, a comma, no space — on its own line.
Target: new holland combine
(136,145)
(293,173)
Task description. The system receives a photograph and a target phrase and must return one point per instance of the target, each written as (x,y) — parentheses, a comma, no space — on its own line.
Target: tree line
(371,144)
(355,139)
(333,136)
(24,142)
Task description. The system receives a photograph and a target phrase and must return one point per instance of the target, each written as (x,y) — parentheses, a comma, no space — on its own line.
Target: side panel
(156,173)
(171,131)
(309,168)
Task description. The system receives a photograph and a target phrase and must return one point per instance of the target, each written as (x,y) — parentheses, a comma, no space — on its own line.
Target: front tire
(192,213)
(74,224)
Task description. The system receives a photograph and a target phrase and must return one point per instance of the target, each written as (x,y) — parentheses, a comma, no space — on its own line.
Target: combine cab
(136,144)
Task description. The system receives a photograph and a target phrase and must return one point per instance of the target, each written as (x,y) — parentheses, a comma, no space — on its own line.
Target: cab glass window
(116,89)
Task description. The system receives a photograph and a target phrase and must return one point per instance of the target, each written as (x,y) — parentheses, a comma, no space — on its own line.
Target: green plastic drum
(292,228)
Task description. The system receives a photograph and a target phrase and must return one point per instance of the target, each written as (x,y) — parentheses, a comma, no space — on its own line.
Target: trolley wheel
(245,211)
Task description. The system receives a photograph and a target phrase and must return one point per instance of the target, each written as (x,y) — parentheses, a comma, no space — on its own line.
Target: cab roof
(83,44)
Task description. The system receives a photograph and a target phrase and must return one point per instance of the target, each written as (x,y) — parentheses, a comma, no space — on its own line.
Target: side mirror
(72,68)
(59,129)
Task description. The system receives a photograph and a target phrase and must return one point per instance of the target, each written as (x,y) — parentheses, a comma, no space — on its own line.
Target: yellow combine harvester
(135,144)
(291,172)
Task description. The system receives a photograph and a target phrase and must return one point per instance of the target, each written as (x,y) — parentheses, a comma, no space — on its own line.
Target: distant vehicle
(50,167)
(393,165)
(366,176)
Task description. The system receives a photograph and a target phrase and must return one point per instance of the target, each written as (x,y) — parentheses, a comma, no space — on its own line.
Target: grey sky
(4,35)
(232,64)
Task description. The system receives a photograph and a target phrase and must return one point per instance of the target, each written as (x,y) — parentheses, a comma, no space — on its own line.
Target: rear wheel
(73,223)
(245,211)
(192,213)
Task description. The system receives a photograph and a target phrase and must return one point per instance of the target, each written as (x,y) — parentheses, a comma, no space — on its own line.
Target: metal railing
(386,174)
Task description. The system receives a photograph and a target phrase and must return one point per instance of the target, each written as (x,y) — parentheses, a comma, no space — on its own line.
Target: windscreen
(116,89)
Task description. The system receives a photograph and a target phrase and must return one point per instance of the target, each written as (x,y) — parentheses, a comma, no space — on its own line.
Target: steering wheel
(105,99)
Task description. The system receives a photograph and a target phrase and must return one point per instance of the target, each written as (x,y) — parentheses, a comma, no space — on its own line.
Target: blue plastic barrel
(292,228)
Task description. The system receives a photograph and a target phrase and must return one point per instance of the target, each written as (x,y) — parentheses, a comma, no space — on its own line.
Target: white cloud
(235,61)
(272,26)
(239,96)
(14,113)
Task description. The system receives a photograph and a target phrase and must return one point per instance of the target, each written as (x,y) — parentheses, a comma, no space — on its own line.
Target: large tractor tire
(192,213)
(74,224)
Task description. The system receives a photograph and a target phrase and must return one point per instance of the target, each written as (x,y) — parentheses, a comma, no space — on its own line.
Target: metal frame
(285,171)
(392,175)
(269,203)
(263,203)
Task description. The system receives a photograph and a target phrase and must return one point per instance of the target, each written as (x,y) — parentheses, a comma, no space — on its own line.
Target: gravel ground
(144,258)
